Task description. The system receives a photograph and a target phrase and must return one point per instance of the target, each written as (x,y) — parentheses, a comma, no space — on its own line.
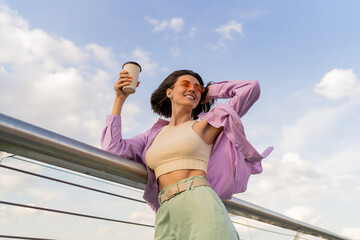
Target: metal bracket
(5,155)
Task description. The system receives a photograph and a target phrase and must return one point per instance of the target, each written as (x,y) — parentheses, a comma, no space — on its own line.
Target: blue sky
(60,59)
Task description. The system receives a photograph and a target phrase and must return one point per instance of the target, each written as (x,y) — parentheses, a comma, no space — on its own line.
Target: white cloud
(292,176)
(175,52)
(175,24)
(346,155)
(104,55)
(295,165)
(312,126)
(266,186)
(144,58)
(304,214)
(192,32)
(55,89)
(299,177)
(227,32)
(22,45)
(338,84)
(353,233)
(345,180)
(49,81)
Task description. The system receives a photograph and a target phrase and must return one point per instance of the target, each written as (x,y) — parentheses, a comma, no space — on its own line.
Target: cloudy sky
(60,59)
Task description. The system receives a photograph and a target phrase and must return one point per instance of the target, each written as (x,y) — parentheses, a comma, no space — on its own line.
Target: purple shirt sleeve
(242,94)
(113,142)
(233,158)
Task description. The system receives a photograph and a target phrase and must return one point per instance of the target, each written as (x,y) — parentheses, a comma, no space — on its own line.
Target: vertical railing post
(297,236)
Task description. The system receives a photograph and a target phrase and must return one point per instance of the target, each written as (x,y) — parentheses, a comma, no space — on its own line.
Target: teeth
(189,96)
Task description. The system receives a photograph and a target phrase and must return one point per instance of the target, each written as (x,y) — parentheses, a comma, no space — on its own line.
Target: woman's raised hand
(124,80)
(207,97)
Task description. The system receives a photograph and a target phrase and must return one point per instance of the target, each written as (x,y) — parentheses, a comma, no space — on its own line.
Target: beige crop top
(178,147)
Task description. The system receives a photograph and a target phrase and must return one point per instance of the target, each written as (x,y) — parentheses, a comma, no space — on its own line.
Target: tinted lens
(185,83)
(198,87)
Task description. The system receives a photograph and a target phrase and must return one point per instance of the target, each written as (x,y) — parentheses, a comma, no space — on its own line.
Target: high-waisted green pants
(197,213)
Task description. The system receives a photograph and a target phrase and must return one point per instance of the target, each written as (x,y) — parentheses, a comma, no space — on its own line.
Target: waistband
(185,184)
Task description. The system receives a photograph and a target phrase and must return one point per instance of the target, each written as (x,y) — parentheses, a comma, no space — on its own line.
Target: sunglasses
(187,84)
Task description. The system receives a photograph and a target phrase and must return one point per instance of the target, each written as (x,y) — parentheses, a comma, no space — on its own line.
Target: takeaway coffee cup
(134,69)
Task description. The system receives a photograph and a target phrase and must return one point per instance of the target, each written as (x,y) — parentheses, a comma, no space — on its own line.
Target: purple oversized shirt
(232,160)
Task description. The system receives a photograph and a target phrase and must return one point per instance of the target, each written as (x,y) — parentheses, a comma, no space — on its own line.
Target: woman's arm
(242,94)
(111,139)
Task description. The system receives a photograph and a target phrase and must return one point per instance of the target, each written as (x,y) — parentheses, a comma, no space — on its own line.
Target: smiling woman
(191,164)
(57,59)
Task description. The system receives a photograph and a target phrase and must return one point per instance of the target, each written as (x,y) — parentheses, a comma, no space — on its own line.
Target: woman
(191,163)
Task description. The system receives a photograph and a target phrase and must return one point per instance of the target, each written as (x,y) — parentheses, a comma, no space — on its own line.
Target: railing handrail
(30,141)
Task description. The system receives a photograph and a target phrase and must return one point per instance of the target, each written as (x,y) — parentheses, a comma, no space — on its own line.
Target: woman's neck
(179,116)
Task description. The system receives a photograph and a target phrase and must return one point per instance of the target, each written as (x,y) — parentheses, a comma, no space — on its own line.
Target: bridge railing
(30,141)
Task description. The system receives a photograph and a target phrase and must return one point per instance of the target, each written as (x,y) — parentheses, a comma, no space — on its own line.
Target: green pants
(197,213)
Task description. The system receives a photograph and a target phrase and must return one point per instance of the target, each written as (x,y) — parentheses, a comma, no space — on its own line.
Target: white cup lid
(132,62)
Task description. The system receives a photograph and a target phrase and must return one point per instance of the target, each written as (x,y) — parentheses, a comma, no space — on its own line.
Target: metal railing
(30,141)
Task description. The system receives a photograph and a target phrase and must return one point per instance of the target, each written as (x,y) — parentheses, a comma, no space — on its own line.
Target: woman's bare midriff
(175,176)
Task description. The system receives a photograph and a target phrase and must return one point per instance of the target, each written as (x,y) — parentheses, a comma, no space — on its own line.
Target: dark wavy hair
(161,104)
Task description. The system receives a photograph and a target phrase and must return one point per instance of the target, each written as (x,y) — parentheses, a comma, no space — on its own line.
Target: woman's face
(183,93)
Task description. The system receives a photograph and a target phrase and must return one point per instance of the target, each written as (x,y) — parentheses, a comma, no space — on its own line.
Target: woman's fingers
(120,84)
(124,76)
(124,79)
(124,73)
